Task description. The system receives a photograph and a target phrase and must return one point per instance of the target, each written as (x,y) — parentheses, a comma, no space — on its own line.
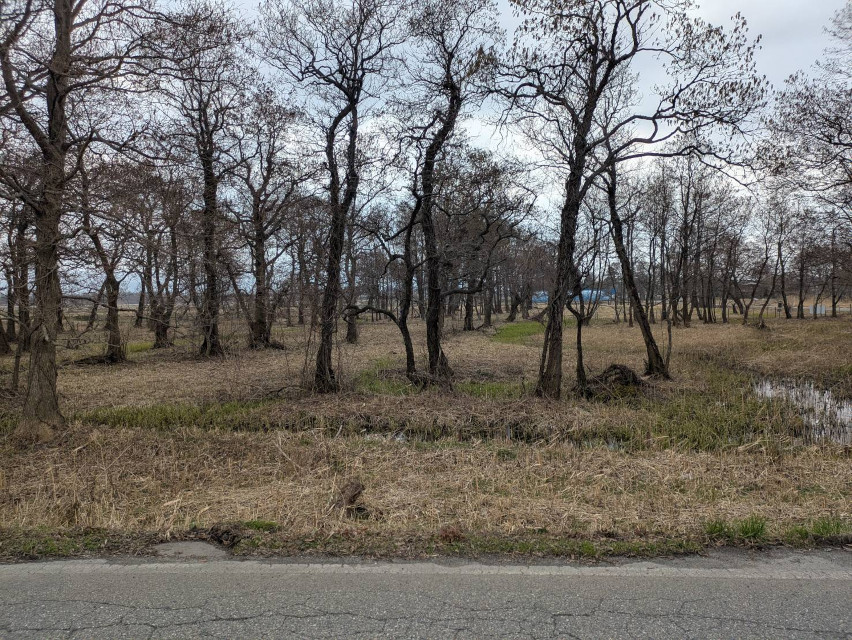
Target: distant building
(588,295)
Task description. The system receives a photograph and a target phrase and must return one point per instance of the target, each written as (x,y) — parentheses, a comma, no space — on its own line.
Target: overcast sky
(793,30)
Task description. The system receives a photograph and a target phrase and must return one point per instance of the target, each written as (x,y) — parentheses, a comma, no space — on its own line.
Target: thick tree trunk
(581,386)
(402,323)
(351,330)
(324,377)
(439,366)
(161,330)
(5,348)
(211,344)
(41,416)
(259,327)
(115,349)
(468,312)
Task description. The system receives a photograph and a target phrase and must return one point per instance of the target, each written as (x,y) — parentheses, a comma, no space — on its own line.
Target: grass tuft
(748,530)
(829,527)
(752,529)
(262,525)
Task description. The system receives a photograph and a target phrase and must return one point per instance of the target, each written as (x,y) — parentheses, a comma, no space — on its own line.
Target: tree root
(96,360)
(424,381)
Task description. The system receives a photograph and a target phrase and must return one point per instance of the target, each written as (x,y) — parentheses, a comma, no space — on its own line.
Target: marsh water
(826,418)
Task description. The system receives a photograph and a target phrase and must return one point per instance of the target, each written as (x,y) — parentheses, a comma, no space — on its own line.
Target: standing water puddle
(827,417)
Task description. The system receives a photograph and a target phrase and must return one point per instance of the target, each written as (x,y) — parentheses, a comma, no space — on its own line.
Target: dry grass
(818,349)
(140,481)
(168,442)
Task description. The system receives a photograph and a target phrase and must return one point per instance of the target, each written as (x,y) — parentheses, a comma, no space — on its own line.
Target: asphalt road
(726,595)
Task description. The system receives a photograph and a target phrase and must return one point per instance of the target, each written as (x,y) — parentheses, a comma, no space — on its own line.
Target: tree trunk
(655,364)
(549,384)
(41,417)
(351,330)
(324,377)
(517,300)
(488,303)
(581,386)
(439,367)
(800,306)
(140,307)
(96,305)
(115,349)
(259,327)
(787,313)
(468,312)
(209,314)
(5,349)
(10,307)
(161,330)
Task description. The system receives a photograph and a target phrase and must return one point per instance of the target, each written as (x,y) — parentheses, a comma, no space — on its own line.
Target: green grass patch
(518,332)
(823,529)
(544,545)
(748,530)
(797,535)
(830,527)
(752,529)
(498,390)
(719,530)
(381,379)
(43,542)
(139,347)
(262,525)
(229,416)
(724,415)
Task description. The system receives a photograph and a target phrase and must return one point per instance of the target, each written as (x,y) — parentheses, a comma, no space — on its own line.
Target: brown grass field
(234,449)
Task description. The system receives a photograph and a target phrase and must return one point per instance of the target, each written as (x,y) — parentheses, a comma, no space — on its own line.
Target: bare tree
(270,186)
(203,74)
(55,57)
(569,79)
(811,143)
(341,53)
(456,39)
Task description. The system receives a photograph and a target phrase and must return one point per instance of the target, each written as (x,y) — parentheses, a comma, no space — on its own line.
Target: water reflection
(826,417)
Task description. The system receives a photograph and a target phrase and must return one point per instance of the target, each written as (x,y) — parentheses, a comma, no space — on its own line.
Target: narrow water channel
(826,417)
